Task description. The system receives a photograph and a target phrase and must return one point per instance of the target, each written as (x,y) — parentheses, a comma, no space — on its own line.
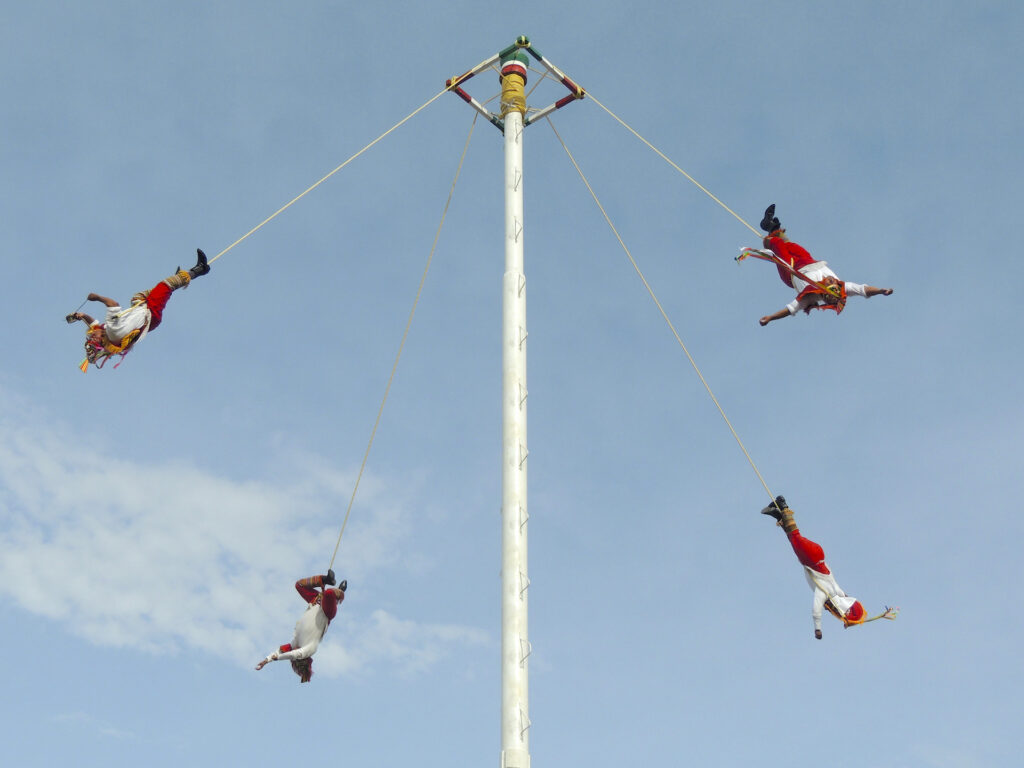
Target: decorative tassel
(888,613)
(891,613)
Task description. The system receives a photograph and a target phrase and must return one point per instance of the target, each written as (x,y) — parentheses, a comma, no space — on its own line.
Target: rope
(662,311)
(700,186)
(401,345)
(325,178)
(543,76)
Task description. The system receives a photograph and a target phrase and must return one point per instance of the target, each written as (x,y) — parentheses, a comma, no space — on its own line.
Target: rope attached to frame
(401,345)
(664,315)
(302,194)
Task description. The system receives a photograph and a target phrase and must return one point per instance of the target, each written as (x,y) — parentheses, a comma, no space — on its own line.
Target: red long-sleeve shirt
(793,254)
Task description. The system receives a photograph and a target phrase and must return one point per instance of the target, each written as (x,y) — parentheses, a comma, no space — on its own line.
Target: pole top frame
(515,52)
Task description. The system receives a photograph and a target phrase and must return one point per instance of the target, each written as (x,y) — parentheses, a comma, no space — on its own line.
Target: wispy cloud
(406,646)
(946,756)
(91,723)
(164,558)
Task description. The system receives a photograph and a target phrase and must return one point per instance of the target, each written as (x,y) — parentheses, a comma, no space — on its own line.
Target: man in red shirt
(322,606)
(822,289)
(123,328)
(827,592)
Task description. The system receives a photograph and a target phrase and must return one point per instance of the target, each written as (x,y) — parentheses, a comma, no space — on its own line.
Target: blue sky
(154,517)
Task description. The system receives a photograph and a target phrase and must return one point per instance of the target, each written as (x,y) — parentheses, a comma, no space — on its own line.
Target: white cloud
(407,646)
(169,558)
(945,756)
(68,720)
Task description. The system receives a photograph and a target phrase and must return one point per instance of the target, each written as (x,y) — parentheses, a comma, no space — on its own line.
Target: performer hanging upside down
(310,628)
(821,289)
(123,328)
(827,593)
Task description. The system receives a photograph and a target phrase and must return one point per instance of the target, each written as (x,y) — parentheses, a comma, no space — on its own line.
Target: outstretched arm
(784,312)
(816,609)
(107,301)
(292,653)
(298,653)
(80,316)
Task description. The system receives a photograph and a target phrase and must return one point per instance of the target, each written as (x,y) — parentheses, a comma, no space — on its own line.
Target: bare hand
(765,320)
(262,664)
(817,635)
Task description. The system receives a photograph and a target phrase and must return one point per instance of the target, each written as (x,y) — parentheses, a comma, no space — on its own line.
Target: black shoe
(780,501)
(775,508)
(329,578)
(770,222)
(344,585)
(201,267)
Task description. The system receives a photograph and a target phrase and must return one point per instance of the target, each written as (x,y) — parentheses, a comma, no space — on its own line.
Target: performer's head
(94,340)
(303,668)
(854,614)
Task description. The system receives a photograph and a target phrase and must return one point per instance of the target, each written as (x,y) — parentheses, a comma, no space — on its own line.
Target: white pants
(817,272)
(120,322)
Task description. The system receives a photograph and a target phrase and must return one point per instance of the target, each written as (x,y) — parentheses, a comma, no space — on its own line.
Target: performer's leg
(808,552)
(157,297)
(309,587)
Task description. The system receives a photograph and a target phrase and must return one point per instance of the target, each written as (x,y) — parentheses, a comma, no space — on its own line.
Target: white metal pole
(515,643)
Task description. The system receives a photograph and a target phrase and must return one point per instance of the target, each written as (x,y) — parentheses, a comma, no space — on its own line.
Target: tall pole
(515,582)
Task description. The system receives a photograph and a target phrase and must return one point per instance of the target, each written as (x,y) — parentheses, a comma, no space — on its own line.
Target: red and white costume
(797,257)
(311,626)
(143,315)
(823,583)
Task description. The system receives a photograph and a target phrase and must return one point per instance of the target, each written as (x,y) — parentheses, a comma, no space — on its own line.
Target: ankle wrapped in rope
(786,521)
(179,279)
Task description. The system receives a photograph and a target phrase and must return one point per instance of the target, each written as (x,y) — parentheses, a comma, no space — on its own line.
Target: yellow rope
(512,95)
(662,310)
(700,186)
(401,345)
(325,178)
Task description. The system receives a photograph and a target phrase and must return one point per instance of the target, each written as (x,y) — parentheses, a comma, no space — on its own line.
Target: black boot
(201,267)
(770,222)
(775,508)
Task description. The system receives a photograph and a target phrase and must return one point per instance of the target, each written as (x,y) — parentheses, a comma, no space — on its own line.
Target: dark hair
(303,668)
